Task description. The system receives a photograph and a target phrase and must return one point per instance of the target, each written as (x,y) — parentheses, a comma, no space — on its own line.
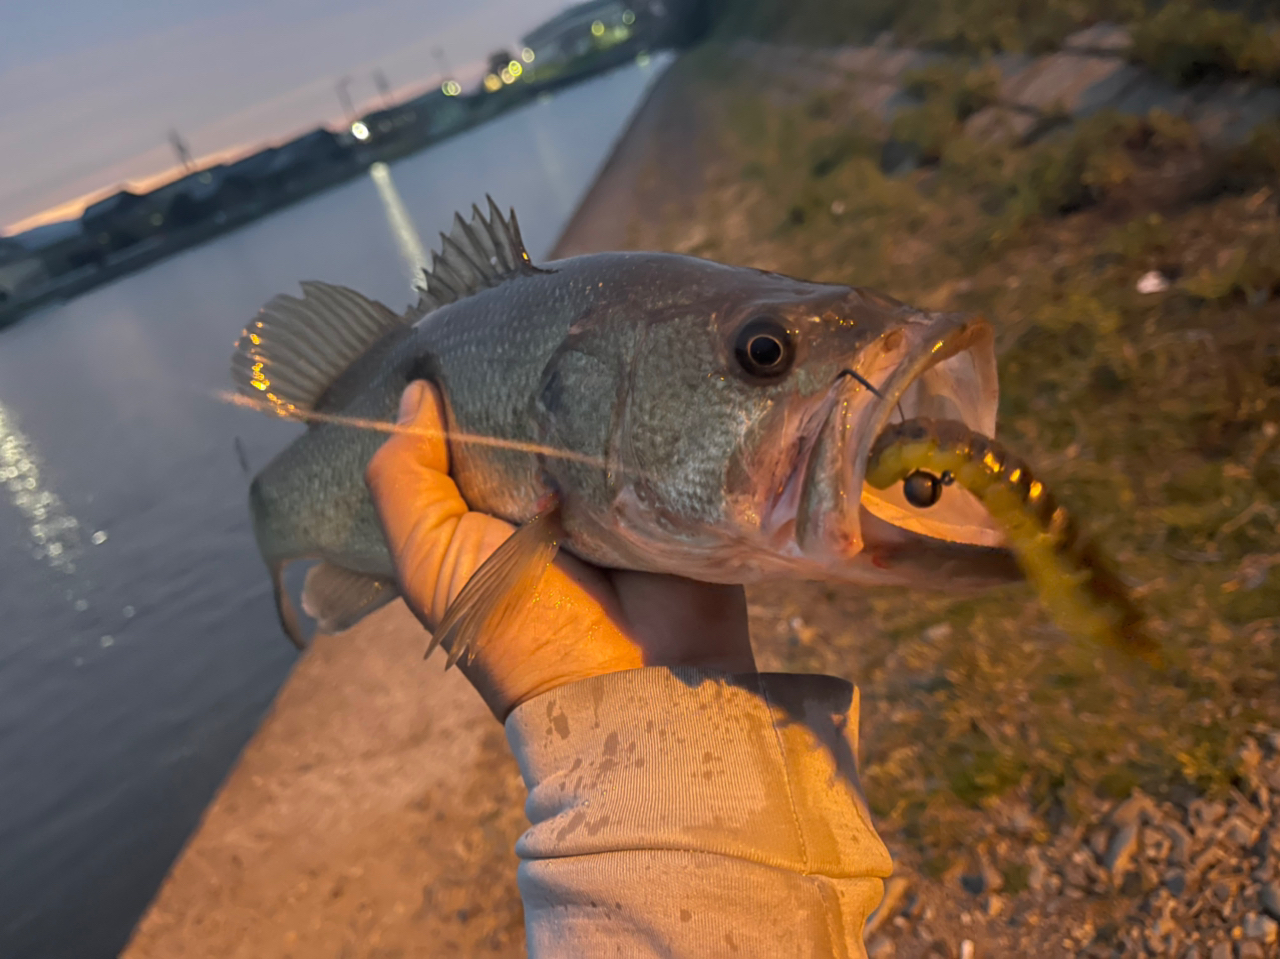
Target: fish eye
(764,348)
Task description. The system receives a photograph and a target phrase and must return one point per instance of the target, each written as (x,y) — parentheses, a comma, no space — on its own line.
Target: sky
(90,88)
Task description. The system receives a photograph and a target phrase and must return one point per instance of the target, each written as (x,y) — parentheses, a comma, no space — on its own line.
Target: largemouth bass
(684,417)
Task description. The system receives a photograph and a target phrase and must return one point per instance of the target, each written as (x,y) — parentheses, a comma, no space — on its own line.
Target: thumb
(436,543)
(420,429)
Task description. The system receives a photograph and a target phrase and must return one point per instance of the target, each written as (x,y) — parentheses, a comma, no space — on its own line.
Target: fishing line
(312,416)
(242,457)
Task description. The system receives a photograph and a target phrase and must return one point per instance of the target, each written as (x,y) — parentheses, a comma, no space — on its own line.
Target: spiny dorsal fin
(295,348)
(474,257)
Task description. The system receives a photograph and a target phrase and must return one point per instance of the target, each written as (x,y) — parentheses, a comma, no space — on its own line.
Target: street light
(344,97)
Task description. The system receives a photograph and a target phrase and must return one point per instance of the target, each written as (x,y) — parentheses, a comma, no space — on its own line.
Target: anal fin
(337,598)
(502,584)
(285,609)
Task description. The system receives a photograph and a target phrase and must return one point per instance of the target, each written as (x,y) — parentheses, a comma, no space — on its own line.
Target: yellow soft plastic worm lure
(1077,585)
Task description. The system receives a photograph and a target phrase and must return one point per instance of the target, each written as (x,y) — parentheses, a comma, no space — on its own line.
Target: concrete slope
(636,182)
(373,815)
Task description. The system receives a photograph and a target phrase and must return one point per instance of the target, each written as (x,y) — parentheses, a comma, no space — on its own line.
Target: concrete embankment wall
(374,814)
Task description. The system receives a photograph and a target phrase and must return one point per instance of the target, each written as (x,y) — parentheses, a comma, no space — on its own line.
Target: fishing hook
(867,383)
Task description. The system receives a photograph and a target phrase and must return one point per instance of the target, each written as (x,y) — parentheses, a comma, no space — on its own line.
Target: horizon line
(74,208)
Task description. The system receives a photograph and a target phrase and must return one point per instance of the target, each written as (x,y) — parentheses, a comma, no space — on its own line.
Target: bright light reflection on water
(401,225)
(55,533)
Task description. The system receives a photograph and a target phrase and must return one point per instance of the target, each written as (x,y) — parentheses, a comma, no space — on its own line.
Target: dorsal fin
(295,348)
(474,257)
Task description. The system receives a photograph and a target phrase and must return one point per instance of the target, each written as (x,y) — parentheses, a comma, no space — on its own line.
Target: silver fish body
(688,417)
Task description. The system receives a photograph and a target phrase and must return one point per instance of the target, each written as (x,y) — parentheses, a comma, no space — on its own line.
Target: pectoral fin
(337,598)
(502,584)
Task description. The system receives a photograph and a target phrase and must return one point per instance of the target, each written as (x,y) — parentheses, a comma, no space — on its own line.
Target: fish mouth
(941,366)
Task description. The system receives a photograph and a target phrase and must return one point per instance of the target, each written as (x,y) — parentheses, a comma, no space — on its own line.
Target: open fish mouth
(941,368)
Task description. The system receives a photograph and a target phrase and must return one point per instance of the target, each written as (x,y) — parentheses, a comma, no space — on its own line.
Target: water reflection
(55,533)
(401,225)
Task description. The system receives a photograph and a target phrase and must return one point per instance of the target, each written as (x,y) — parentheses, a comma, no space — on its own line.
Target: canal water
(139,647)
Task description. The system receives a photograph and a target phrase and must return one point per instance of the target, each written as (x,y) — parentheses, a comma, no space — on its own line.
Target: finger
(421,433)
(408,476)
(435,542)
(570,627)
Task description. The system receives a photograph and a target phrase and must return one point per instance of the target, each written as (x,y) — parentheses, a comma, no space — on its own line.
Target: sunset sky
(90,88)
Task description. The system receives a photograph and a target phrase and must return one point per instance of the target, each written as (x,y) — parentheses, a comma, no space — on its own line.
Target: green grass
(1184,41)
(1187,42)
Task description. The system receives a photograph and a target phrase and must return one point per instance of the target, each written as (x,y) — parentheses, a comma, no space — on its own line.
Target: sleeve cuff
(759,767)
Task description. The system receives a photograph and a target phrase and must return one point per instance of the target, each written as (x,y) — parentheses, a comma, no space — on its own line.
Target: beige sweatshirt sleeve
(682,813)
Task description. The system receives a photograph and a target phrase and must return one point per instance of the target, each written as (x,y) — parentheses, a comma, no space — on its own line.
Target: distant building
(256,182)
(39,238)
(200,185)
(11,250)
(244,183)
(121,220)
(437,112)
(114,205)
(393,122)
(318,148)
(20,269)
(306,163)
(126,218)
(59,247)
(411,124)
(498,60)
(445,114)
(193,198)
(589,26)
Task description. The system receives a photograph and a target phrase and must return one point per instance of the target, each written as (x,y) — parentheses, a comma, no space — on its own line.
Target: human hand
(582,621)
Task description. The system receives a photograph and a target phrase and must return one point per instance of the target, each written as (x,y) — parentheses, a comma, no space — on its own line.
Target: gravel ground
(1193,879)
